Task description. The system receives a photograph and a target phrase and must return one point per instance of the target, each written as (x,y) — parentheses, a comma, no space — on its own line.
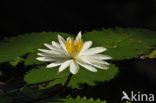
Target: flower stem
(65,85)
(67,81)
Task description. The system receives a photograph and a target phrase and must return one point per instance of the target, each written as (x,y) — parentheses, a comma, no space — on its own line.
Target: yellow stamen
(74,46)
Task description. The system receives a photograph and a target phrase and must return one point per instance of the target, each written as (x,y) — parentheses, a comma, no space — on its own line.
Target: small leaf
(72,100)
(16,61)
(151,55)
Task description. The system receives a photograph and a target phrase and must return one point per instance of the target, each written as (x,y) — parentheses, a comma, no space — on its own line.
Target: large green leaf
(121,43)
(124,43)
(14,47)
(71,100)
(31,59)
(83,76)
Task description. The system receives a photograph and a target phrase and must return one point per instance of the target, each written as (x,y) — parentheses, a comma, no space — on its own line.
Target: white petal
(46,51)
(44,59)
(92,51)
(49,46)
(41,54)
(101,56)
(99,61)
(74,67)
(45,54)
(97,56)
(86,45)
(53,64)
(87,66)
(60,55)
(62,43)
(64,65)
(79,36)
(89,60)
(69,38)
(52,47)
(101,66)
(56,44)
(52,52)
(84,59)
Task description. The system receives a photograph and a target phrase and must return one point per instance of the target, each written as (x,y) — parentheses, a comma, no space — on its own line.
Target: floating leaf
(83,76)
(31,59)
(121,43)
(124,43)
(18,46)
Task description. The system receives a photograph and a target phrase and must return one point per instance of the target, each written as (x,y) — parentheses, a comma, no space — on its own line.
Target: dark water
(19,17)
(134,75)
(26,16)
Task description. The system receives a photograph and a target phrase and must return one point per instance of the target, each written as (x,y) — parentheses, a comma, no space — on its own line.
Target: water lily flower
(74,53)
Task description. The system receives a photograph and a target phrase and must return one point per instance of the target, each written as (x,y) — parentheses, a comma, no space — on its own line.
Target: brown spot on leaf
(131,39)
(139,41)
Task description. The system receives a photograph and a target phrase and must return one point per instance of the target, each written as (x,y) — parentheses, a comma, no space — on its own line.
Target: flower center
(74,46)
